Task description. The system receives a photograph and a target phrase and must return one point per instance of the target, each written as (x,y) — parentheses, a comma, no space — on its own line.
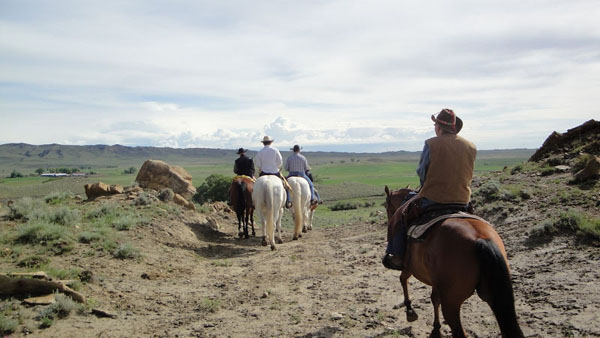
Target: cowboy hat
(296,148)
(267,139)
(241,151)
(448,121)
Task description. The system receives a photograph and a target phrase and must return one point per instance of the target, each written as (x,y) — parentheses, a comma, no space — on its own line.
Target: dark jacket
(244,165)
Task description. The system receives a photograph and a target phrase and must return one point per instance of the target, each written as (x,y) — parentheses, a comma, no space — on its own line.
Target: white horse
(301,205)
(269,199)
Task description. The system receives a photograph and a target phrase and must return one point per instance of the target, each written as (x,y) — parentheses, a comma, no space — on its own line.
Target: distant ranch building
(54,175)
(63,174)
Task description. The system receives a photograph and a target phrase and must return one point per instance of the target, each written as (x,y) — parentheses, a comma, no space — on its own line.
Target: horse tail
(241,205)
(495,287)
(297,204)
(269,213)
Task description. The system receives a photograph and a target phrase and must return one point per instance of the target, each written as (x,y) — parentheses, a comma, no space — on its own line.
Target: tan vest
(450,171)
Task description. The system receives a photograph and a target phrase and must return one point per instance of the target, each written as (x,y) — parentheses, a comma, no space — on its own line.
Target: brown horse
(240,198)
(457,257)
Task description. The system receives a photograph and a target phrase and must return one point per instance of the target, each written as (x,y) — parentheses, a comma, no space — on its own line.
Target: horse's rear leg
(240,225)
(411,315)
(246,217)
(435,299)
(252,222)
(278,226)
(451,311)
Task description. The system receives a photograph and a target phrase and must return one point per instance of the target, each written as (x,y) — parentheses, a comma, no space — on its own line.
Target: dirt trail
(330,283)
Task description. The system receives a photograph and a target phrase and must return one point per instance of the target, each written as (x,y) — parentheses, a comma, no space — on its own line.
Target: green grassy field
(336,181)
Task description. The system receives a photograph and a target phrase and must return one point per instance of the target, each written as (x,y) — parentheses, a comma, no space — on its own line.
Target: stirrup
(288,204)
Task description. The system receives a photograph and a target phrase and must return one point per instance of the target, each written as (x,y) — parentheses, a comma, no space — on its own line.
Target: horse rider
(243,165)
(297,165)
(445,171)
(269,160)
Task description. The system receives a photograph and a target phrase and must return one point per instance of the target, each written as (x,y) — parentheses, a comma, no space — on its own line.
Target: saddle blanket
(416,231)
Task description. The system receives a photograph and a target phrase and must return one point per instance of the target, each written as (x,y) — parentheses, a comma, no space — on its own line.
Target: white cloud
(312,72)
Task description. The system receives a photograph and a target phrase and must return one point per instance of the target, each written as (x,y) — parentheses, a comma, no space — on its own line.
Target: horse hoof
(240,234)
(411,315)
(253,234)
(304,229)
(279,241)
(295,238)
(264,242)
(246,236)
(272,247)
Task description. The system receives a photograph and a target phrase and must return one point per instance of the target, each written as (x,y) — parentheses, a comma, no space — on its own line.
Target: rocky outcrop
(94,190)
(159,175)
(582,139)
(178,199)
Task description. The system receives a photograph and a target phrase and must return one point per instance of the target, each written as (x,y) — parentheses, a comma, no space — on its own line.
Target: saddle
(418,220)
(286,185)
(417,231)
(245,176)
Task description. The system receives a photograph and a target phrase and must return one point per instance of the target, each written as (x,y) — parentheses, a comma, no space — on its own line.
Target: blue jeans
(397,245)
(310,183)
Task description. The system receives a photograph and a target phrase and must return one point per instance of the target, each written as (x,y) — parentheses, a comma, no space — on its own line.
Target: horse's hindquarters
(269,199)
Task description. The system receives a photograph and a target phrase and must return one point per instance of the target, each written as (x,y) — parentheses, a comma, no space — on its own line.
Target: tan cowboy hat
(267,139)
(448,121)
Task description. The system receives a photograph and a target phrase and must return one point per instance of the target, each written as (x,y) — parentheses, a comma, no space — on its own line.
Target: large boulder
(590,171)
(159,175)
(101,189)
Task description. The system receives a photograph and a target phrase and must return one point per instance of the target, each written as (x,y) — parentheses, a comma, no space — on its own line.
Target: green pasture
(393,174)
(336,181)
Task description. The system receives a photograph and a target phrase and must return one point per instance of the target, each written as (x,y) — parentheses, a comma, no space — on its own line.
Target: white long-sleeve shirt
(268,159)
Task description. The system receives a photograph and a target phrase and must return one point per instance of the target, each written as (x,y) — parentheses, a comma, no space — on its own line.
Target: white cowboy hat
(267,139)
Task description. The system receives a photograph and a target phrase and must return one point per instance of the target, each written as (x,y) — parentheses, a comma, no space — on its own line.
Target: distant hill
(27,156)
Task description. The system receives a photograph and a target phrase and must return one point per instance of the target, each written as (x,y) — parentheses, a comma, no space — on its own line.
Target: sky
(355,76)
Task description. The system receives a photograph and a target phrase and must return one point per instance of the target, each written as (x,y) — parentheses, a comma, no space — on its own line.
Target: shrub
(130,170)
(57,197)
(489,190)
(15,174)
(343,206)
(33,261)
(45,322)
(125,222)
(215,188)
(7,325)
(166,195)
(569,221)
(55,237)
(105,209)
(126,251)
(516,169)
(89,237)
(60,309)
(62,215)
(209,305)
(143,199)
(547,171)
(27,208)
